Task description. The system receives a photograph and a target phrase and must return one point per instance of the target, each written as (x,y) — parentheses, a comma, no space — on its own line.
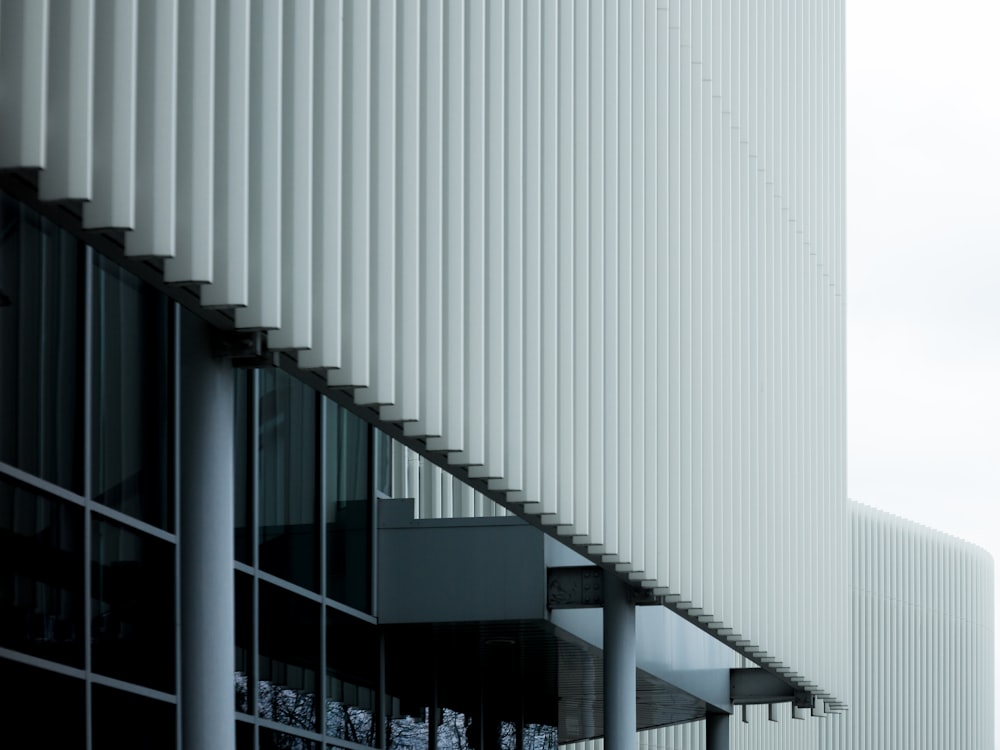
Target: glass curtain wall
(87,546)
(306,638)
(41,347)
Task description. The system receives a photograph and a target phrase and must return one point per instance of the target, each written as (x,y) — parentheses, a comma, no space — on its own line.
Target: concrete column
(206,543)
(717,731)
(619,665)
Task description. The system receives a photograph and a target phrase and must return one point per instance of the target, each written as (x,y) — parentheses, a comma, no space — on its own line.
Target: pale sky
(923,240)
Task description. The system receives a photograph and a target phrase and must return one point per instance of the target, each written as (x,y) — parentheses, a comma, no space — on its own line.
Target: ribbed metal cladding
(922,612)
(922,635)
(593,252)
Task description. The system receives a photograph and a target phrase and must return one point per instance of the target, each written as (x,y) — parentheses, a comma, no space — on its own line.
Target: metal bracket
(246,349)
(803,699)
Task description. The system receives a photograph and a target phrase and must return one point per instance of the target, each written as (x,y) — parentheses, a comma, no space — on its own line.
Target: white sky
(923,201)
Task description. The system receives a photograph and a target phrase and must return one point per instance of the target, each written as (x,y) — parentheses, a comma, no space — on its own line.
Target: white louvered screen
(591,250)
(921,653)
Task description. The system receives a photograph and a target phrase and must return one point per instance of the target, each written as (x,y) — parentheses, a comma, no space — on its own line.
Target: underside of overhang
(528,672)
(468,611)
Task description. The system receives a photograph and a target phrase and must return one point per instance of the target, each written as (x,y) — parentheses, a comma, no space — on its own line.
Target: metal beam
(754,685)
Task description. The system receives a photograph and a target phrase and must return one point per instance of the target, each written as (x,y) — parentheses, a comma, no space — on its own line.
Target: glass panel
(271,740)
(288,518)
(244,735)
(351,678)
(455,732)
(508,736)
(41,372)
(131,396)
(44,709)
(244,641)
(41,576)
(132,585)
(243,532)
(126,720)
(383,463)
(407,732)
(348,508)
(289,657)
(540,737)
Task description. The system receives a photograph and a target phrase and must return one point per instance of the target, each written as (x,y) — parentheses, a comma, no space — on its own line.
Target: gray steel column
(717,731)
(206,543)
(619,665)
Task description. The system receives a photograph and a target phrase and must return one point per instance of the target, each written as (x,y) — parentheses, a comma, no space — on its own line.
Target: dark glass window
(244,641)
(287,501)
(130,423)
(39,708)
(132,587)
(348,508)
(271,740)
(243,528)
(244,735)
(40,347)
(351,678)
(383,463)
(123,719)
(289,657)
(41,575)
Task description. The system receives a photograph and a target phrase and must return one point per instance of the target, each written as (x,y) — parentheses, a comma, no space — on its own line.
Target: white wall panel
(921,657)
(295,241)
(156,132)
(193,260)
(24,60)
(263,308)
(69,119)
(589,254)
(112,202)
(231,153)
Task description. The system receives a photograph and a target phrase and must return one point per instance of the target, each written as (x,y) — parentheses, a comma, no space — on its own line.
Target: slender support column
(382,705)
(619,665)
(717,732)
(206,543)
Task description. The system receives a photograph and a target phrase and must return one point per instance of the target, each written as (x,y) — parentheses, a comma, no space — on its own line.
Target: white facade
(590,254)
(921,652)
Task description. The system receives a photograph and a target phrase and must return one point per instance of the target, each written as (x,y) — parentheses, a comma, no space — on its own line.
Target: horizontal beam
(751,686)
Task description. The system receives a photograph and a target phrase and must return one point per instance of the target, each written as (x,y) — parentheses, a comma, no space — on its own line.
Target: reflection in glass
(132,588)
(47,707)
(41,575)
(40,347)
(508,736)
(130,430)
(408,732)
(383,463)
(348,509)
(455,730)
(289,657)
(540,737)
(288,518)
(244,641)
(351,678)
(123,719)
